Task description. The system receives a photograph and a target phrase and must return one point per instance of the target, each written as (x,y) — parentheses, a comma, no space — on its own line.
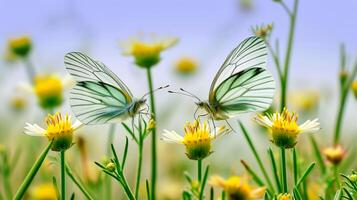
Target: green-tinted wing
(84,68)
(247,91)
(252,52)
(98,102)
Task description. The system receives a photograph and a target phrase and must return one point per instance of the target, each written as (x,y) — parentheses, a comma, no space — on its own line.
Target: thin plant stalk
(283,170)
(63,175)
(199,170)
(138,173)
(30,176)
(30,70)
(284,78)
(153,136)
(78,182)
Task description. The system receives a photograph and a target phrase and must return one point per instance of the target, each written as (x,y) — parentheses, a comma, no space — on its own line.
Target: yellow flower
(197,139)
(284,196)
(263,31)
(284,127)
(59,129)
(237,188)
(353,177)
(20,46)
(354,88)
(49,89)
(18,103)
(151,125)
(45,191)
(186,65)
(147,53)
(335,154)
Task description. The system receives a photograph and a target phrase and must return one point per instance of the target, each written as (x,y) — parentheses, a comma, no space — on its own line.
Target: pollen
(197,140)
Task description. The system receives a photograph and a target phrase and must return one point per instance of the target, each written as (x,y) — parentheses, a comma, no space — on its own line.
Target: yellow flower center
(48,90)
(284,197)
(59,129)
(141,49)
(20,46)
(44,192)
(186,65)
(236,189)
(197,140)
(285,122)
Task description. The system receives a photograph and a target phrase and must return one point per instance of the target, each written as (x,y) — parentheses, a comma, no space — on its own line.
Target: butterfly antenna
(190,93)
(184,94)
(157,89)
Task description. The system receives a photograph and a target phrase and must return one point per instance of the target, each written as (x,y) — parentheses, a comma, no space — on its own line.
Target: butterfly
(242,84)
(99,96)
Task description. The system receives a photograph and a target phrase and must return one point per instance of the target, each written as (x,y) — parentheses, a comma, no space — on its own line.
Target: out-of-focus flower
(151,125)
(343,76)
(284,127)
(304,101)
(186,65)
(263,31)
(169,190)
(59,129)
(354,88)
(18,103)
(147,53)
(237,187)
(9,56)
(314,191)
(353,177)
(246,4)
(20,46)
(49,89)
(284,196)
(197,139)
(90,173)
(110,167)
(335,154)
(44,191)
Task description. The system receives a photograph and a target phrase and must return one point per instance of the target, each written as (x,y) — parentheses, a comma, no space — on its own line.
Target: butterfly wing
(249,90)
(99,96)
(243,83)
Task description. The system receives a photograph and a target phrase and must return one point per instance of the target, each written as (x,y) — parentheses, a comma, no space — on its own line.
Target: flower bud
(110,167)
(354,88)
(20,46)
(335,154)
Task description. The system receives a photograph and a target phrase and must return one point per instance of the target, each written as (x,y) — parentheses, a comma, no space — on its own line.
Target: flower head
(44,192)
(147,53)
(285,196)
(305,101)
(18,103)
(335,154)
(237,188)
(59,129)
(186,65)
(20,46)
(197,139)
(263,31)
(284,127)
(354,88)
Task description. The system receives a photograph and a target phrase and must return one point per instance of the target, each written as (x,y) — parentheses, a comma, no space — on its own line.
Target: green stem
(108,181)
(337,176)
(126,187)
(283,170)
(284,78)
(24,186)
(63,175)
(153,136)
(256,155)
(29,69)
(78,182)
(138,176)
(6,171)
(199,170)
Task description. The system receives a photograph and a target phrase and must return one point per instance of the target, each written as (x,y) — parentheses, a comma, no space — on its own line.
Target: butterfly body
(212,110)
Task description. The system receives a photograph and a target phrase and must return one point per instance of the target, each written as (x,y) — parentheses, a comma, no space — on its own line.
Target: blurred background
(207,30)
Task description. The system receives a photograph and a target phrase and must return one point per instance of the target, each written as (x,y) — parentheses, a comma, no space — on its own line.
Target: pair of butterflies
(241,85)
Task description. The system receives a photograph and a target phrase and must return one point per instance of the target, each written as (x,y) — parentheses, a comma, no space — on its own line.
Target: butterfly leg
(230,126)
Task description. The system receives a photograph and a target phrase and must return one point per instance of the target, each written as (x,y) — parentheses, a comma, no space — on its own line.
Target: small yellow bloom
(335,154)
(343,76)
(263,31)
(18,103)
(304,100)
(197,139)
(151,125)
(285,196)
(237,188)
(20,46)
(110,166)
(186,65)
(59,129)
(284,127)
(354,88)
(147,53)
(44,192)
(353,177)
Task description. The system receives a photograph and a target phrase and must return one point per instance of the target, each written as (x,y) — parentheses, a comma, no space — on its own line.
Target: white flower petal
(34,130)
(77,124)
(172,137)
(310,126)
(264,121)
